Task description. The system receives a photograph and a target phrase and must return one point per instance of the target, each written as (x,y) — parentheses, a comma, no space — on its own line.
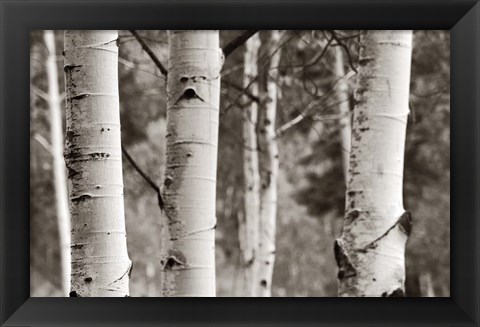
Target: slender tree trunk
(426,285)
(100,262)
(342,96)
(269,171)
(371,251)
(59,173)
(193,90)
(249,224)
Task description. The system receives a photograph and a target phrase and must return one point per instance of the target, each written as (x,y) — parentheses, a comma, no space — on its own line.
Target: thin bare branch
(133,65)
(43,142)
(241,89)
(39,92)
(237,42)
(150,53)
(347,51)
(144,175)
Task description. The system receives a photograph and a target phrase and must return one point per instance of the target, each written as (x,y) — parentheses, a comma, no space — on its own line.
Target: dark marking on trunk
(354,214)
(174,259)
(364,61)
(189,94)
(363,129)
(345,268)
(263,283)
(168,181)
(81,198)
(268,179)
(79,96)
(99,155)
(88,279)
(71,173)
(69,136)
(76,246)
(73,294)
(69,68)
(352,205)
(357,102)
(249,262)
(72,155)
(130,270)
(405,223)
(397,293)
(361,119)
(362,86)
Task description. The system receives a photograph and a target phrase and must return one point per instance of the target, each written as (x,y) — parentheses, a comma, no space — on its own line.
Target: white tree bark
(342,94)
(100,262)
(269,171)
(371,251)
(193,91)
(249,224)
(59,172)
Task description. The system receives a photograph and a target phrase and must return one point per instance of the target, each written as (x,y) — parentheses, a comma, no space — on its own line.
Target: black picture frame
(19,17)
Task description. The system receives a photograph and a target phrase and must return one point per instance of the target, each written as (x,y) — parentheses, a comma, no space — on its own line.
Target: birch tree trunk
(249,224)
(269,171)
(342,96)
(371,251)
(59,173)
(100,262)
(193,91)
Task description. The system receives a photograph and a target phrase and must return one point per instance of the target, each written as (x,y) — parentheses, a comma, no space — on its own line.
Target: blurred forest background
(311,183)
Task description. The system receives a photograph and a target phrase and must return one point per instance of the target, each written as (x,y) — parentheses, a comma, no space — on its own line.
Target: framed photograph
(240,163)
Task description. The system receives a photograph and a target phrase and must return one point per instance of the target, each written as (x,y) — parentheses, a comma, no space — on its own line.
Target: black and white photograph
(239,163)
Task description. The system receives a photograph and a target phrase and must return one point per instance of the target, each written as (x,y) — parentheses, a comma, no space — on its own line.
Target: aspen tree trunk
(193,91)
(371,251)
(269,173)
(249,224)
(100,262)
(59,172)
(344,108)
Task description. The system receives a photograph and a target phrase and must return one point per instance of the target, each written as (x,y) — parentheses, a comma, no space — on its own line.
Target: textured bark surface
(249,224)
(193,90)
(59,172)
(269,171)
(371,251)
(342,94)
(100,262)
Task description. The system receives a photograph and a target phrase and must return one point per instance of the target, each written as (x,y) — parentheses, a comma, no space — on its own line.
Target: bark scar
(174,258)
(127,272)
(345,267)
(404,224)
(189,93)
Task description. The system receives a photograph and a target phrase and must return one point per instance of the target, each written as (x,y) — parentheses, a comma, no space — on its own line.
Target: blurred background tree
(311,185)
